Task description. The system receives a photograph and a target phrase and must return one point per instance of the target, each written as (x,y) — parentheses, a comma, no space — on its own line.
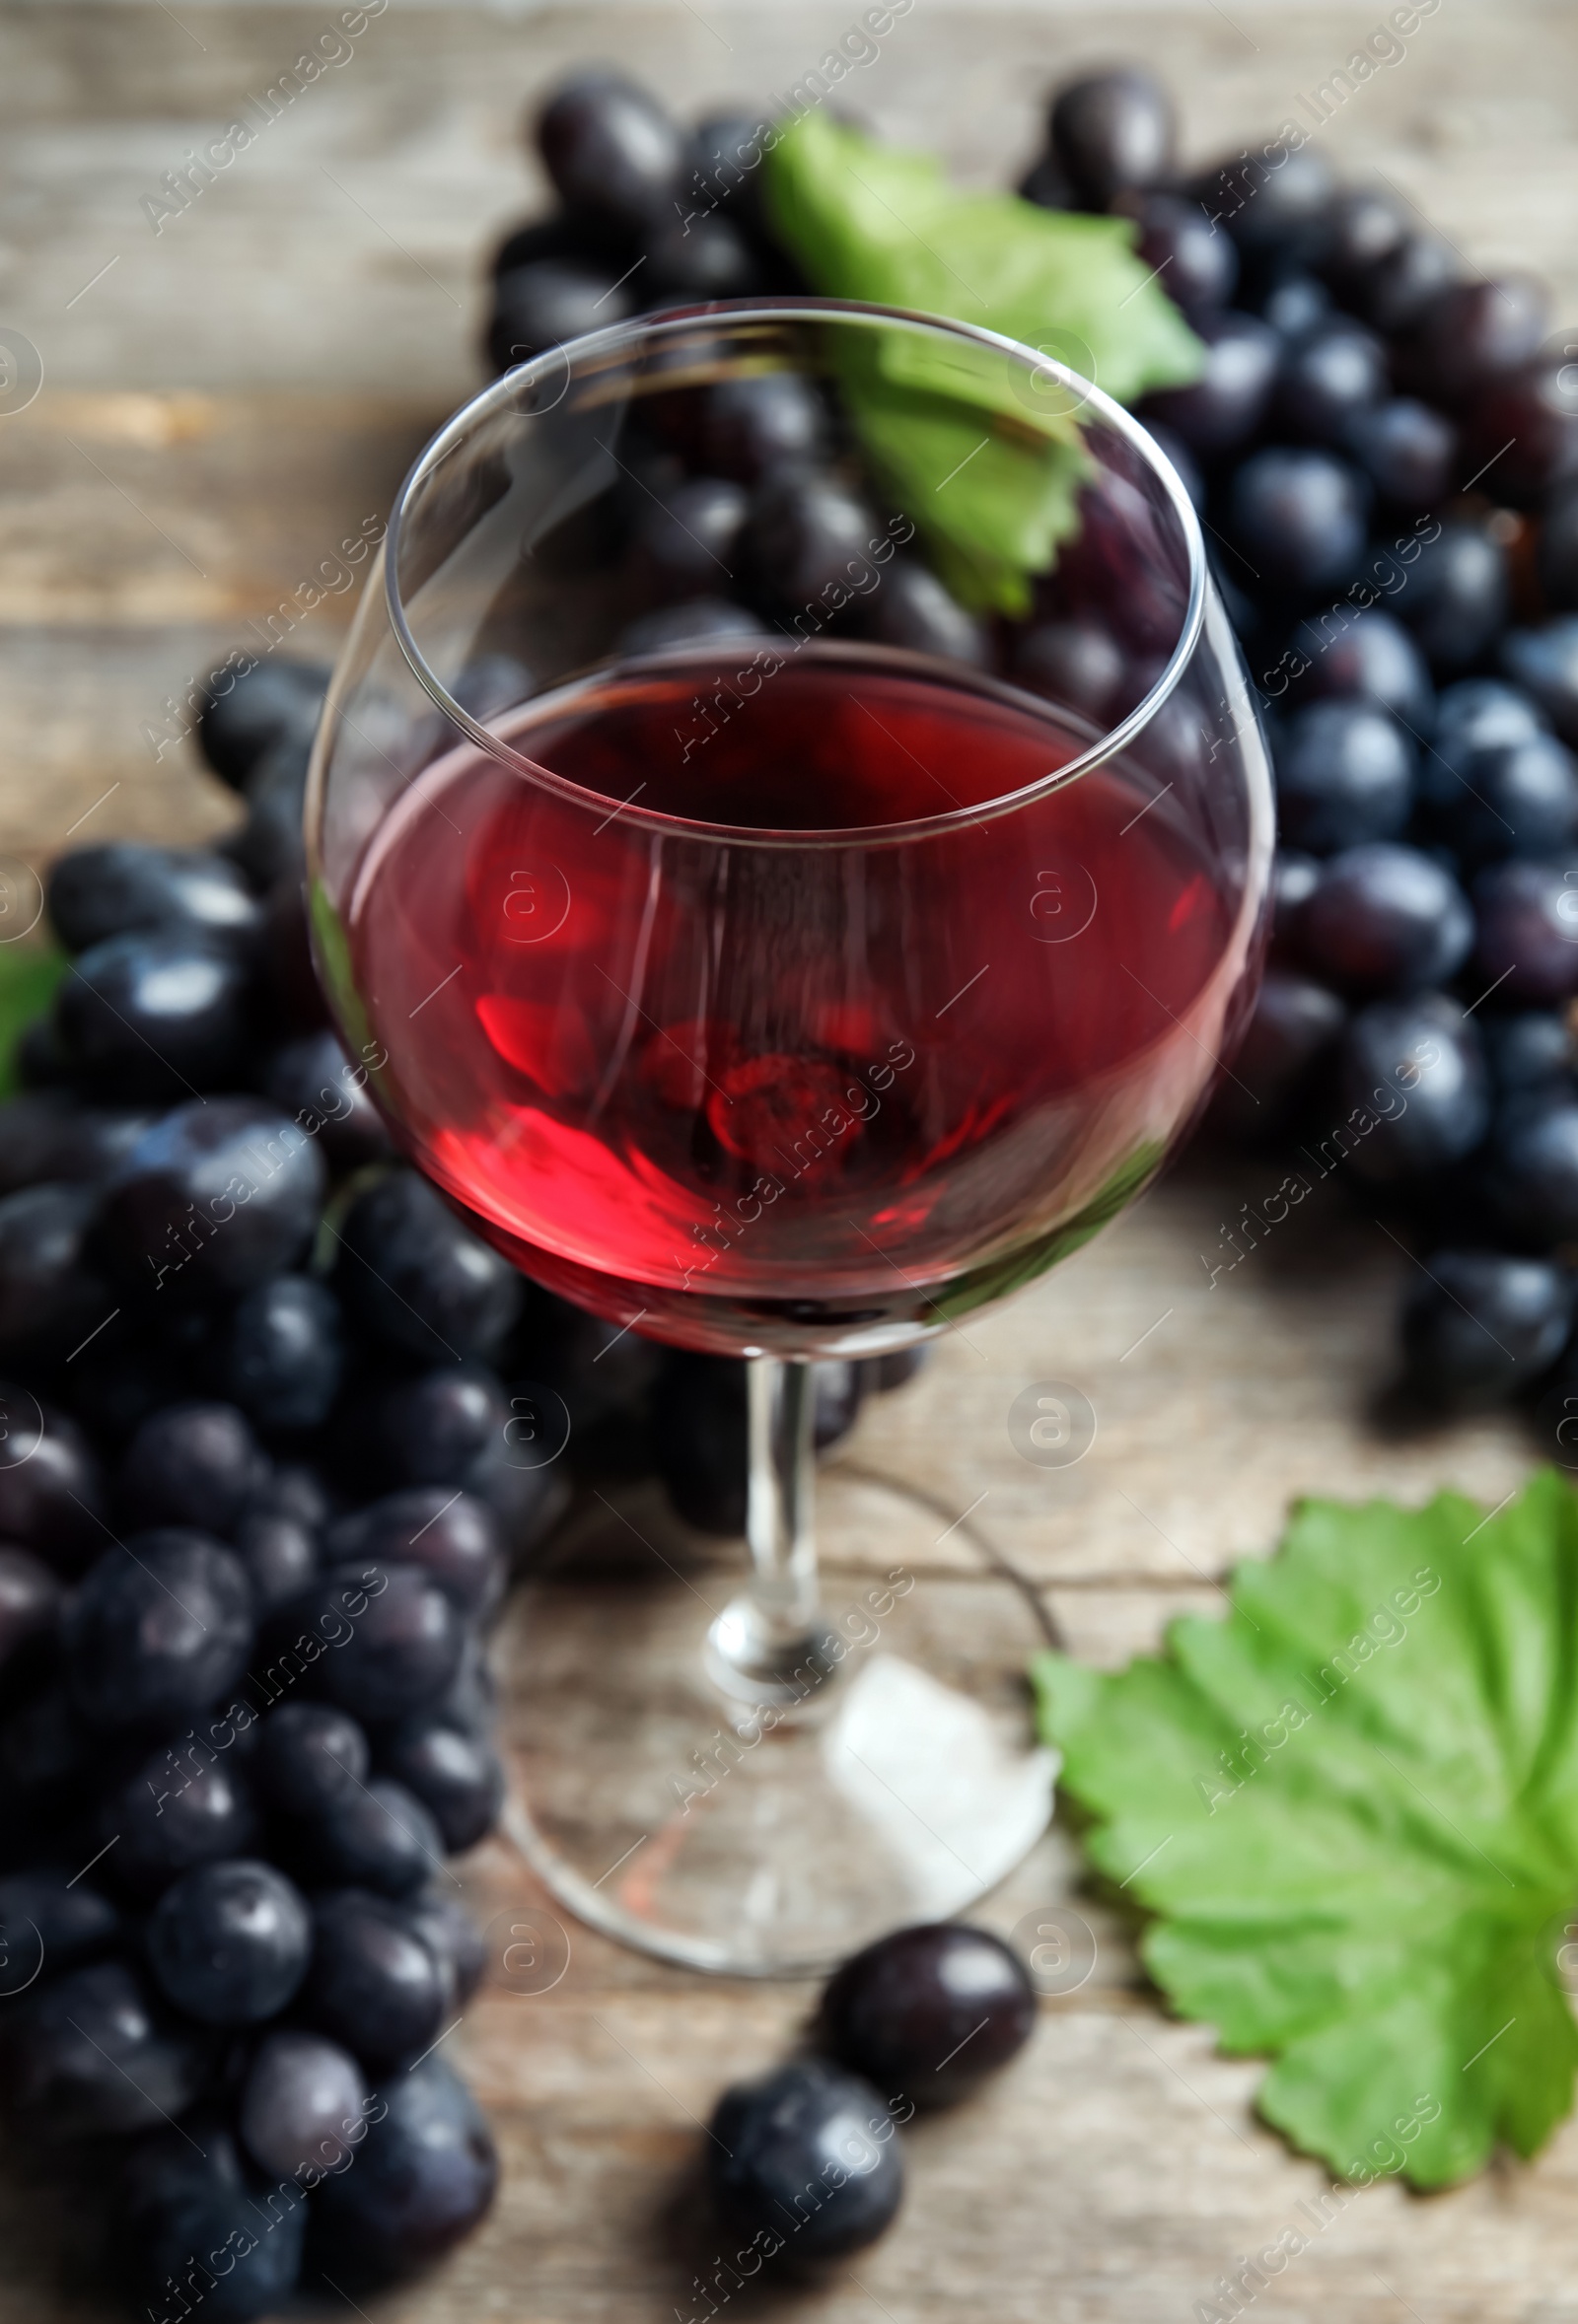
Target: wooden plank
(226,401)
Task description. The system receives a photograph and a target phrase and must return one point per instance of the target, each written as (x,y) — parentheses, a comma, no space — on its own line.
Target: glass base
(893,1779)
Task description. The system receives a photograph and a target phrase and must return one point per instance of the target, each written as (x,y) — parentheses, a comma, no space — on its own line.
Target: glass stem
(780,1510)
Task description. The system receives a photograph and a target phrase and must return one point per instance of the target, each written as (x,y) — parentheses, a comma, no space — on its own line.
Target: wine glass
(791,821)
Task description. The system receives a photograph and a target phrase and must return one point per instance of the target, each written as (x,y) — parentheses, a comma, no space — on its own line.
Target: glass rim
(643,331)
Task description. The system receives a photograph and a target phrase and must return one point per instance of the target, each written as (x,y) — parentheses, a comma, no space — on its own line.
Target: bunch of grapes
(1384,450)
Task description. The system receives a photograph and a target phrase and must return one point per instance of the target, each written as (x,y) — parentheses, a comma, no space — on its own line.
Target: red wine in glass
(742,1091)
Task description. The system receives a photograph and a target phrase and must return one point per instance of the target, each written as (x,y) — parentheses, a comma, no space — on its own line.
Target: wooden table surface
(224,401)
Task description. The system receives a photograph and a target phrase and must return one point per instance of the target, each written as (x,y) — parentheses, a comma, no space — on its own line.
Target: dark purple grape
(187,2218)
(1295,305)
(764,420)
(31,1600)
(1294,879)
(268,846)
(218,1196)
(1328,377)
(282,1353)
(1298,517)
(698,621)
(187,1804)
(1532,1171)
(1276,214)
(127,887)
(157,1014)
(1480,1328)
(229,1943)
(315,1082)
(1344,775)
(1364,228)
(431,1430)
(1395,290)
(411,1274)
(280,1557)
(1228,401)
(1527,922)
(1473,332)
(1416,1092)
(454,1938)
(1045,185)
(804,535)
(687,538)
(1384,919)
(548,304)
(1455,595)
(927,2014)
(809,2157)
(1521,433)
(1114,133)
(453,1537)
(301,2104)
(92,2054)
(576,235)
(1409,453)
(1196,263)
(1544,661)
(424,2176)
(159,1627)
(910,607)
(1365,656)
(373,1986)
(458,1777)
(470,1700)
(395,1639)
(310,1758)
(378,1835)
(1480,714)
(696,259)
(725,156)
(1293,1027)
(1521,800)
(246,713)
(192,1464)
(610,149)
(50,1135)
(1533,1051)
(51,1297)
(53,1915)
(1077,663)
(52,1494)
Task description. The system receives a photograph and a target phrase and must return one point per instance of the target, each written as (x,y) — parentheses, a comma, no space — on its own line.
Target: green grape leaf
(986,461)
(29,975)
(1352,1805)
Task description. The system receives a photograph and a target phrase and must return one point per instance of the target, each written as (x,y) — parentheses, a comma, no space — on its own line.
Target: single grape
(1472,332)
(1368,656)
(431,1428)
(1196,263)
(1294,305)
(1527,931)
(51,1493)
(188,1803)
(1518,800)
(1364,228)
(301,2104)
(51,1297)
(804,533)
(178,1216)
(764,420)
(451,1536)
(610,149)
(1293,1027)
(1414,1090)
(1280,218)
(157,1015)
(1227,402)
(547,303)
(1114,132)
(424,2176)
(1395,290)
(697,259)
(160,1626)
(1299,517)
(686,539)
(1076,662)
(1521,432)
(1545,663)
(395,1638)
(57,1913)
(910,607)
(282,1353)
(454,1938)
(50,1135)
(31,1602)
(192,1464)
(1409,453)
(378,1835)
(229,1943)
(411,1274)
(1344,775)
(127,888)
(1529,1051)
(458,1777)
(94,2055)
(315,1082)
(808,2157)
(1532,1171)
(1455,595)
(1328,377)
(280,1557)
(246,713)
(310,1758)
(1384,919)
(1479,1327)
(927,2014)
(373,1985)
